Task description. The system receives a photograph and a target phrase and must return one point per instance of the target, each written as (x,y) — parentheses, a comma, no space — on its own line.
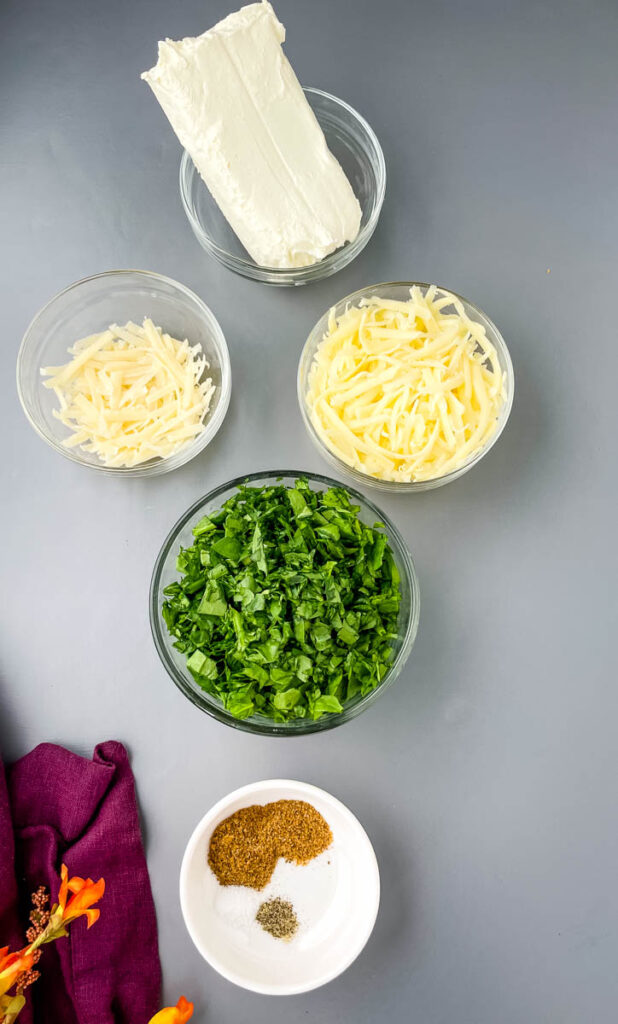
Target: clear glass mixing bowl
(90,306)
(400,290)
(354,144)
(165,572)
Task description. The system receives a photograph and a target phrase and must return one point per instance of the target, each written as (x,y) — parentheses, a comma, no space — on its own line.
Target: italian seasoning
(278,918)
(244,848)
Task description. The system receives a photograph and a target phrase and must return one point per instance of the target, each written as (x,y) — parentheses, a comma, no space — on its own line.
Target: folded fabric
(57,807)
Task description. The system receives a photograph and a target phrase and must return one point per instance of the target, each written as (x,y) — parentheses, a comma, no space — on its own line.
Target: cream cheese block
(236,105)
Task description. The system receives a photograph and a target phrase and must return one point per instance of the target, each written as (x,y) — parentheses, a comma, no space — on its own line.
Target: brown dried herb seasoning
(244,848)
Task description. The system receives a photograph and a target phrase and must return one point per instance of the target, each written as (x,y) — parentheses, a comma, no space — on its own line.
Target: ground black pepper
(278,918)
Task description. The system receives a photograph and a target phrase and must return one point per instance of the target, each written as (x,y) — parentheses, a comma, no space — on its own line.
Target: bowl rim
(294,275)
(212,424)
(303,790)
(397,486)
(260,725)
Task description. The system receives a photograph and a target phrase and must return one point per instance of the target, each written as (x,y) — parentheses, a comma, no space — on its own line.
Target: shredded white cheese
(131,394)
(408,390)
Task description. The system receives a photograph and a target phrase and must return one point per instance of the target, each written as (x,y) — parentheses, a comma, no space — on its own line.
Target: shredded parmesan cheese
(405,391)
(131,394)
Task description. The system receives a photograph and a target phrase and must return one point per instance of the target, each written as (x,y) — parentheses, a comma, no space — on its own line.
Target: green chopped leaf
(377,552)
(256,672)
(213,601)
(257,550)
(303,666)
(321,636)
(205,525)
(229,547)
(298,503)
(325,705)
(347,634)
(286,699)
(200,665)
(239,705)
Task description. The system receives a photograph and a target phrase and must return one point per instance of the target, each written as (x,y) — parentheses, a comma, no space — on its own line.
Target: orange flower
(85,893)
(12,965)
(178,1014)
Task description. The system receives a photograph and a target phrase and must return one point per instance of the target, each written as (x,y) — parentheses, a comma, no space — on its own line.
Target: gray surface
(487,777)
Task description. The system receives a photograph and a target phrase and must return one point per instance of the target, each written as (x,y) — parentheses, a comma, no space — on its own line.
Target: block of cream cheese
(236,105)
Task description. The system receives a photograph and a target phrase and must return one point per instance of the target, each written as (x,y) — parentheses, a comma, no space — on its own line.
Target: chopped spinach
(287,604)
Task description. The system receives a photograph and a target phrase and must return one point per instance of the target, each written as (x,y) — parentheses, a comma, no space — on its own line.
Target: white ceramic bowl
(336,898)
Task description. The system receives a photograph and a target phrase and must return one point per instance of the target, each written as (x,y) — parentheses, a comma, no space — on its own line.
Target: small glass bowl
(165,572)
(355,146)
(91,305)
(400,290)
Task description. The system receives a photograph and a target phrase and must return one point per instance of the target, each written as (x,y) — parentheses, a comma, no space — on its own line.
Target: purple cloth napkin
(57,807)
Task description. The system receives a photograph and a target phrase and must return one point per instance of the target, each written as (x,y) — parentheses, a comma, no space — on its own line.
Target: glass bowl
(91,305)
(175,663)
(355,146)
(400,290)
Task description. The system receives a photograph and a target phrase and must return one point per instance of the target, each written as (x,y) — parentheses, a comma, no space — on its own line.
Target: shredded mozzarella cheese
(131,394)
(405,391)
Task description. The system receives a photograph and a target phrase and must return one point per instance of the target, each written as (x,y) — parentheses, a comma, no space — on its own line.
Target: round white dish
(336,898)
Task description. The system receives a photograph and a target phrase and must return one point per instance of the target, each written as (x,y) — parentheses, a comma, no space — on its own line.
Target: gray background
(486,777)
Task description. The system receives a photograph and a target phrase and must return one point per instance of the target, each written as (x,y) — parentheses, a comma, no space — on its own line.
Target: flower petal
(178,1014)
(92,916)
(64,887)
(12,966)
(85,893)
(185,1010)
